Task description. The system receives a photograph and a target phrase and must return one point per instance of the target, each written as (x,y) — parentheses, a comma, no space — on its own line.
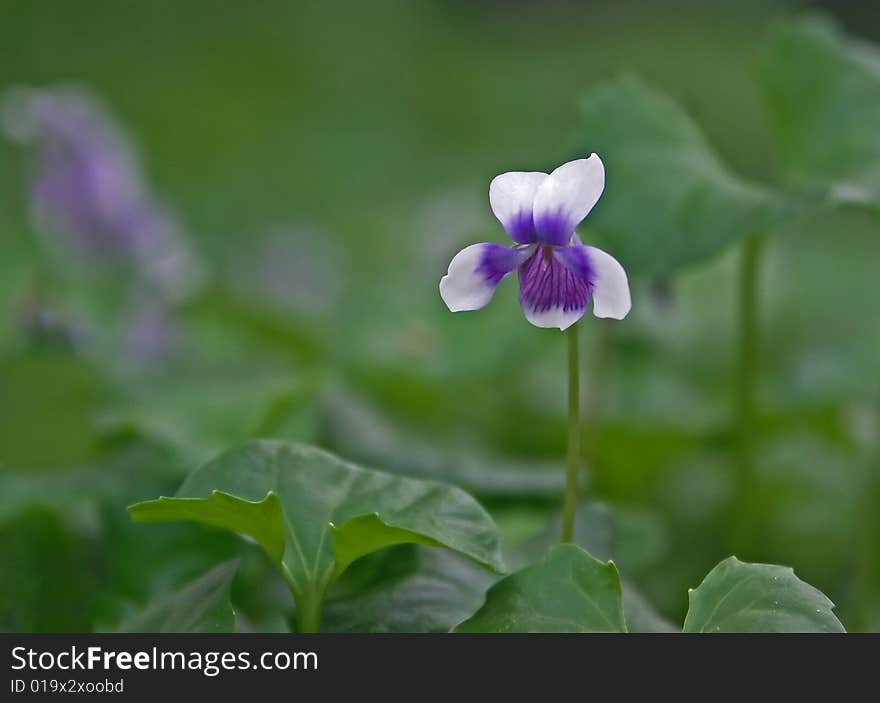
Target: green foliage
(822,92)
(389,168)
(641,616)
(302,505)
(201,606)
(261,520)
(49,410)
(822,95)
(406,589)
(53,583)
(567,591)
(571,591)
(691,207)
(740,597)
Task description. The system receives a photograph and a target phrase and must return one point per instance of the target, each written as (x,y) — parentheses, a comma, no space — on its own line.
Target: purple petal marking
(512,196)
(576,259)
(521,228)
(555,227)
(566,197)
(475,272)
(552,294)
(497,260)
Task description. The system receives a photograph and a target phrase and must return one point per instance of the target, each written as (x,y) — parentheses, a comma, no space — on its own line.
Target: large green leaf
(567,591)
(822,92)
(740,597)
(200,606)
(669,201)
(598,531)
(315,513)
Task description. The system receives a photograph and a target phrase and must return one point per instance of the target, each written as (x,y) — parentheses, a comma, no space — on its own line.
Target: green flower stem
(571,472)
(746,384)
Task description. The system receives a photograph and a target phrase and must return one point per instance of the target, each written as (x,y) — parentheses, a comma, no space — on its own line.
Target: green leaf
(201,606)
(669,201)
(406,589)
(568,591)
(365,534)
(740,597)
(822,92)
(314,503)
(262,520)
(597,530)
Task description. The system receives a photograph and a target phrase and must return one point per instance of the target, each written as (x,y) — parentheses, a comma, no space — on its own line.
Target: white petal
(475,272)
(511,196)
(611,297)
(566,197)
(555,317)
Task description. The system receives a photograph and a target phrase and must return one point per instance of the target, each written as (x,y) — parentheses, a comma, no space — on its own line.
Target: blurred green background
(327,159)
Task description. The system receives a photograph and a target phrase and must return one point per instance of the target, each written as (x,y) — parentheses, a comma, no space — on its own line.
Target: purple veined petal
(476,271)
(577,259)
(511,196)
(566,197)
(551,294)
(607,279)
(611,296)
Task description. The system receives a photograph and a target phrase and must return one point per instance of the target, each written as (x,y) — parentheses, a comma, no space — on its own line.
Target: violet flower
(86,186)
(558,275)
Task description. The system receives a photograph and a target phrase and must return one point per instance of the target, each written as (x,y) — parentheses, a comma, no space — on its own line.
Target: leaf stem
(308,611)
(746,384)
(571,471)
(309,603)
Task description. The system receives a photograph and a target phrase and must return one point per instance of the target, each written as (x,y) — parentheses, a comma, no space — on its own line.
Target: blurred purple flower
(86,186)
(558,275)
